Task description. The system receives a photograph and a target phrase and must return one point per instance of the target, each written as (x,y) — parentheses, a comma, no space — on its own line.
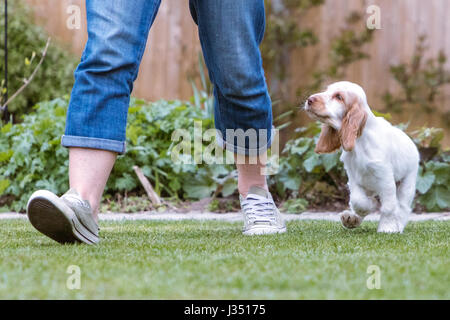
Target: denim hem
(93,143)
(242,150)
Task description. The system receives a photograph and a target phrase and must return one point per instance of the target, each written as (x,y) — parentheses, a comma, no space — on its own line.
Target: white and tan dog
(380,159)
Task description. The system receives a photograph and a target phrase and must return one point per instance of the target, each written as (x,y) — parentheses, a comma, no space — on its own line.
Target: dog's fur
(380,159)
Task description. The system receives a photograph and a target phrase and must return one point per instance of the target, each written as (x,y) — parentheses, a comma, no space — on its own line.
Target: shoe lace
(76,200)
(258,208)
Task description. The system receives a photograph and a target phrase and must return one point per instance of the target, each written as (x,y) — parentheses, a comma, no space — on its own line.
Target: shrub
(433,181)
(295,205)
(433,185)
(319,179)
(31,156)
(25,40)
(149,144)
(422,83)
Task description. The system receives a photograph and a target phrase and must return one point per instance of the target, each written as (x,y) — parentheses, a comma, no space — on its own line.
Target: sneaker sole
(263,230)
(50,216)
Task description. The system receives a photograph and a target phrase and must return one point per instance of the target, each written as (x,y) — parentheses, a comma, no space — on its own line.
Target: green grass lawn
(213,260)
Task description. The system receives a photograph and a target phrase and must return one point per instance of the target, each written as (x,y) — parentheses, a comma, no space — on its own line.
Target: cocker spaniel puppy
(380,159)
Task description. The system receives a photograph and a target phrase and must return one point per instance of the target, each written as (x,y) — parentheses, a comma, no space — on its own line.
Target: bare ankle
(243,189)
(249,175)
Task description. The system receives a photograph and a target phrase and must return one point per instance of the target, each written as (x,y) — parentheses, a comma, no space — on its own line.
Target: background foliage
(25,42)
(31,158)
(421,82)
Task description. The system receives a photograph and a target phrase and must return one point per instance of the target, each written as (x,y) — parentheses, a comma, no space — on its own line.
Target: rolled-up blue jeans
(230,32)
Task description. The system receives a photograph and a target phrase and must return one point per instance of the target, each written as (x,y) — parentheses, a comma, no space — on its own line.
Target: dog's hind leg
(406,191)
(392,215)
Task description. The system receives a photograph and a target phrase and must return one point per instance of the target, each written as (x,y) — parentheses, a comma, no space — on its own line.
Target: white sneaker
(261,216)
(66,219)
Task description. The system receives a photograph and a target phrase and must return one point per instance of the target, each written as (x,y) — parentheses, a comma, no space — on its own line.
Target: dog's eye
(339,97)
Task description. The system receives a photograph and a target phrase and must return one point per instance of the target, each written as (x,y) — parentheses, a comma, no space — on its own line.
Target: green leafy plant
(320,179)
(222,205)
(125,204)
(421,82)
(149,132)
(214,205)
(433,180)
(55,76)
(31,156)
(428,141)
(433,185)
(297,205)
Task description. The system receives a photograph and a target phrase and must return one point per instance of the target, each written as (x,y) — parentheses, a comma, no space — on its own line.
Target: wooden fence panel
(171,53)
(173,46)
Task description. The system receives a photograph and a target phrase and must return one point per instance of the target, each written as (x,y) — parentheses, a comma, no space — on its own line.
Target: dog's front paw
(390,225)
(350,219)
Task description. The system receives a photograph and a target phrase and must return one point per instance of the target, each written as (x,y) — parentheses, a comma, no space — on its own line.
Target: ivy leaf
(217,171)
(440,170)
(330,160)
(436,199)
(424,182)
(200,185)
(229,187)
(127,182)
(299,150)
(199,191)
(291,181)
(442,195)
(311,162)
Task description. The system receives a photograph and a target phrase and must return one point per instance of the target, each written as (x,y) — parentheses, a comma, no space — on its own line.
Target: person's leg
(96,119)
(250,173)
(230,33)
(89,170)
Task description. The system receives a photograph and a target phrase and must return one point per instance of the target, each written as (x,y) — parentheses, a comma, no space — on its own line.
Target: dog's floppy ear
(352,125)
(329,140)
